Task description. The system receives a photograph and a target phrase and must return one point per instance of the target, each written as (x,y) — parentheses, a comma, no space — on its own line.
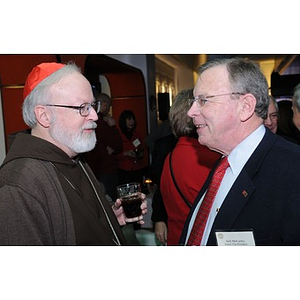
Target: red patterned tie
(204,210)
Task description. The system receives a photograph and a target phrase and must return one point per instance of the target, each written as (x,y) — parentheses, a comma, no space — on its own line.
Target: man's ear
(42,115)
(247,108)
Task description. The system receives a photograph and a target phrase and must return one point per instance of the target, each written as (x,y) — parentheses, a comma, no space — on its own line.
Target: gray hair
(245,77)
(40,95)
(275,103)
(296,97)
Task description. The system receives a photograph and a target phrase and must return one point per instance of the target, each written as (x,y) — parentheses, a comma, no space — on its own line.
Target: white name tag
(136,142)
(235,238)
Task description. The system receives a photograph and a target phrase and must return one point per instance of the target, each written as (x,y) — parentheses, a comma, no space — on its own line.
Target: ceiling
(282,61)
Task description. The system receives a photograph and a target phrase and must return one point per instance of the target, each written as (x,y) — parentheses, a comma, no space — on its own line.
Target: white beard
(78,142)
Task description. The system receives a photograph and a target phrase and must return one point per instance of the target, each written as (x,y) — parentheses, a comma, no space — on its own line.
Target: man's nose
(93,115)
(193,109)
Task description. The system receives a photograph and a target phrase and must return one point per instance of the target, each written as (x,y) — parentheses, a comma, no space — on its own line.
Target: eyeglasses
(201,99)
(273,116)
(84,108)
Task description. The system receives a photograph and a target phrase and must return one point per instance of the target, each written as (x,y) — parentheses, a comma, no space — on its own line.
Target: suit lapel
(234,202)
(242,189)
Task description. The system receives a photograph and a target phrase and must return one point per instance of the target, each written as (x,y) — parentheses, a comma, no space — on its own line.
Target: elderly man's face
(296,115)
(272,119)
(69,130)
(218,121)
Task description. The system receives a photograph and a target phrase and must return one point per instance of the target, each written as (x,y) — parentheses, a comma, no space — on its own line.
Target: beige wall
(267,67)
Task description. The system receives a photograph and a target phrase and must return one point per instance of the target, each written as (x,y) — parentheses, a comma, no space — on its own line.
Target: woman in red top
(190,163)
(130,167)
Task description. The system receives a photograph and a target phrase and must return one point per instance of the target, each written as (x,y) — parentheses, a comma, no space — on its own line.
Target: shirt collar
(242,152)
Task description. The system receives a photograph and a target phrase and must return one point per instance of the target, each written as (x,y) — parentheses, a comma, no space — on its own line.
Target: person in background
(160,141)
(162,130)
(159,215)
(260,189)
(130,166)
(103,158)
(296,106)
(286,127)
(129,160)
(185,168)
(272,117)
(48,193)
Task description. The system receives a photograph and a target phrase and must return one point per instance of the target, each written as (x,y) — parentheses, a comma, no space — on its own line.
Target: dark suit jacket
(265,196)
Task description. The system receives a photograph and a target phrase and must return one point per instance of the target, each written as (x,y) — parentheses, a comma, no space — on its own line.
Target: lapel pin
(245,194)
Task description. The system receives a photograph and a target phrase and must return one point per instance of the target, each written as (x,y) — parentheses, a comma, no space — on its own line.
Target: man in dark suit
(260,191)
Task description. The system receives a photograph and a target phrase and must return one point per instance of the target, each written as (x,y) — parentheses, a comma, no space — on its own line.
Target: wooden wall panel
(15,68)
(13,71)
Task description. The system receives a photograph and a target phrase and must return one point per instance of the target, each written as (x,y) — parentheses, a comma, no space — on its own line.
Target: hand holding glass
(130,196)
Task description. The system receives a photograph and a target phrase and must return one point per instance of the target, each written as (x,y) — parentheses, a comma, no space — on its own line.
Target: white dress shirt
(237,159)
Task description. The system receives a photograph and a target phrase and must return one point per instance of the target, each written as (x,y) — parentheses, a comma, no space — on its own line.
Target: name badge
(136,142)
(235,238)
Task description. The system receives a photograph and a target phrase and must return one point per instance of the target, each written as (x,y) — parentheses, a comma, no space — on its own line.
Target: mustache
(91,125)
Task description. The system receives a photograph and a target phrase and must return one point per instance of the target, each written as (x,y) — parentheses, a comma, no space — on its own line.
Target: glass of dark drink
(130,195)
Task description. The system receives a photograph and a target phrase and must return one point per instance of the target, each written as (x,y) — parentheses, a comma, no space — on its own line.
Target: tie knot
(224,164)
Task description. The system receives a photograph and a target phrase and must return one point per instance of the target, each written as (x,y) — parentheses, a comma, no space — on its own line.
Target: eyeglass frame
(80,107)
(202,99)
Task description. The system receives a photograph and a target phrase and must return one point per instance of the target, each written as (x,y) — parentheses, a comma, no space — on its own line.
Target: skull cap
(38,74)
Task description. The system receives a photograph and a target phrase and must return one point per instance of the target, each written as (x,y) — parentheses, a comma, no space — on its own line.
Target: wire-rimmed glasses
(202,99)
